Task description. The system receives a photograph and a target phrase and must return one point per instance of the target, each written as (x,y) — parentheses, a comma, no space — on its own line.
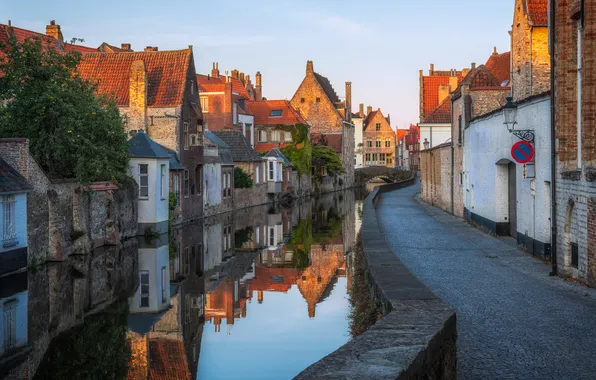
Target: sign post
(522,152)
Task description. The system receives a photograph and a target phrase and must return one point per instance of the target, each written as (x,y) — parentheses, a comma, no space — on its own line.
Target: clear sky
(378,45)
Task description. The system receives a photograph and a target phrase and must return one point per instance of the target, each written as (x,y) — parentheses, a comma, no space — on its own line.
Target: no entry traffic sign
(522,152)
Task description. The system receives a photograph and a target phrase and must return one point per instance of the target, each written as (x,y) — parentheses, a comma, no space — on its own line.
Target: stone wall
(64,217)
(436,176)
(414,340)
(256,195)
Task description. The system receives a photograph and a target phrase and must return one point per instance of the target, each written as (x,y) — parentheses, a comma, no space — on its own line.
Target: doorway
(512,200)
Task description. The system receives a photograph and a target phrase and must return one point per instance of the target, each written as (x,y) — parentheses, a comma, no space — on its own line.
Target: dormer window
(275,113)
(378,126)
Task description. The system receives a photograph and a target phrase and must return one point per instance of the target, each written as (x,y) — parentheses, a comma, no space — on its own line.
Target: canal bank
(416,338)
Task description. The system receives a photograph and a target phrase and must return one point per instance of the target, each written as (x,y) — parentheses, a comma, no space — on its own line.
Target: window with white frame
(288,136)
(271,172)
(387,143)
(9,232)
(257,173)
(234,113)
(144,288)
(10,324)
(205,104)
(275,136)
(162,183)
(378,143)
(258,235)
(143,181)
(271,236)
(262,135)
(164,285)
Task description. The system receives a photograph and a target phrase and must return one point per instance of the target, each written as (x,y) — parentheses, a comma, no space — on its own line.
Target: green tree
(330,158)
(300,151)
(72,132)
(242,179)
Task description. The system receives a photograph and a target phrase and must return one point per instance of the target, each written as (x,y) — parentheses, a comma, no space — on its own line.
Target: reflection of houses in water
(14,298)
(227,301)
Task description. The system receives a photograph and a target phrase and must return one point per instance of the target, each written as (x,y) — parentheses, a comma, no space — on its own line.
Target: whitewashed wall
(487,142)
(21,332)
(155,208)
(153,260)
(441,133)
(212,184)
(20,209)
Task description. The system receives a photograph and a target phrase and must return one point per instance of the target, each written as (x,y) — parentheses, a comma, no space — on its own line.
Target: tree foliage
(330,158)
(72,132)
(300,151)
(242,179)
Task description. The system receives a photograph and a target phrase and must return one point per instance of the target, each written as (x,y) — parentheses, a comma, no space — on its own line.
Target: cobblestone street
(514,321)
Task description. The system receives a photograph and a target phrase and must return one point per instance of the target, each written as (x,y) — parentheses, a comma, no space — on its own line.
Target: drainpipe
(553,155)
(452,163)
(531,63)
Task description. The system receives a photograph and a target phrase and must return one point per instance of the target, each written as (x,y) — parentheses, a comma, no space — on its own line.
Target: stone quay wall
(416,338)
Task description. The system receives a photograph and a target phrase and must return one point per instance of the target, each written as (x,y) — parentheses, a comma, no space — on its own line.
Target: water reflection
(209,301)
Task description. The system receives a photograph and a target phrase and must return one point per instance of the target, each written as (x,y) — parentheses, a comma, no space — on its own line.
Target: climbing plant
(299,152)
(242,179)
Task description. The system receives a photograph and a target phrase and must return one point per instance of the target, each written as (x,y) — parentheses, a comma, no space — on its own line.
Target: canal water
(260,293)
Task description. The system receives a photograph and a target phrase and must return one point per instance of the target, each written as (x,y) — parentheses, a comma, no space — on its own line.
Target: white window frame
(141,177)
(205,104)
(262,136)
(257,173)
(271,171)
(275,136)
(162,186)
(144,295)
(163,285)
(9,232)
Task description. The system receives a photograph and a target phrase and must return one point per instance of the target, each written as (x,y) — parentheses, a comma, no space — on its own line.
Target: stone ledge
(414,340)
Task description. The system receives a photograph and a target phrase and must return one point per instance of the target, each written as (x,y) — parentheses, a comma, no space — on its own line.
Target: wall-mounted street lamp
(426,143)
(510,115)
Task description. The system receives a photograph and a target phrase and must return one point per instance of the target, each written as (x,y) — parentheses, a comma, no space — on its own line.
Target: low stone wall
(416,337)
(256,195)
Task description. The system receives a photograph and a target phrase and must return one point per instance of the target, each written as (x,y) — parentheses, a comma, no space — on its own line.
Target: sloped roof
(537,12)
(278,154)
(401,133)
(371,117)
(11,180)
(166,75)
(141,146)
(261,109)
(327,88)
(223,149)
(239,147)
(174,162)
(441,114)
(480,77)
(500,65)
(107,48)
(167,359)
(431,85)
(208,83)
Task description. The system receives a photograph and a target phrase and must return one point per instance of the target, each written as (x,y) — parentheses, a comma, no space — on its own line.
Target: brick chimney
(389,119)
(235,74)
(151,48)
(215,70)
(241,76)
(495,51)
(137,113)
(348,101)
(444,90)
(126,47)
(309,67)
(432,69)
(259,87)
(53,30)
(473,65)
(361,110)
(368,110)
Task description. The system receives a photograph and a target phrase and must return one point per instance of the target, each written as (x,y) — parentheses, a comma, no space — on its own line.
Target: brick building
(156,91)
(379,140)
(575,141)
(318,103)
(436,86)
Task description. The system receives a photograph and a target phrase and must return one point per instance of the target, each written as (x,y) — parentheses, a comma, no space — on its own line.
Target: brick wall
(436,176)
(458,109)
(384,134)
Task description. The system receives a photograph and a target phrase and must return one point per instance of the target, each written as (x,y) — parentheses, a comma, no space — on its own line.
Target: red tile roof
(208,83)
(333,140)
(47,41)
(266,147)
(441,114)
(166,75)
(401,133)
(167,359)
(500,65)
(413,136)
(431,89)
(537,12)
(261,110)
(264,279)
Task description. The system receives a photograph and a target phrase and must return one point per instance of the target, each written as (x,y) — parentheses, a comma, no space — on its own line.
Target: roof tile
(208,83)
(537,12)
(262,112)
(500,65)
(11,180)
(441,114)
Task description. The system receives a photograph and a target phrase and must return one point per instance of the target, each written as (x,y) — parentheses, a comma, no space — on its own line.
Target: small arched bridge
(364,175)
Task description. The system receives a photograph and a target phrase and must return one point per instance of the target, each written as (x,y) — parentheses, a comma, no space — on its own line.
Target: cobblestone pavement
(513,320)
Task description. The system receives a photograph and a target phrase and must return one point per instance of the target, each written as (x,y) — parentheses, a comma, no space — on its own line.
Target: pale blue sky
(378,45)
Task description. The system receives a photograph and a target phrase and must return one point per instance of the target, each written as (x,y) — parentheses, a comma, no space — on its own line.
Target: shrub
(242,179)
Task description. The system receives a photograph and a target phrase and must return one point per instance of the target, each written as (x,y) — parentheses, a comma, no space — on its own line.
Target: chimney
(309,67)
(368,110)
(242,78)
(389,119)
(125,47)
(348,101)
(215,70)
(248,80)
(137,114)
(444,90)
(151,48)
(495,51)
(54,31)
(235,74)
(9,23)
(473,65)
(259,88)
(260,296)
(361,110)
(432,69)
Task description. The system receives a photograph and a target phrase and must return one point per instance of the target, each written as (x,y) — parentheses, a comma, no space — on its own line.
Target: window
(378,126)
(185,134)
(234,113)
(275,136)
(258,235)
(367,157)
(271,236)
(186,261)
(289,174)
(262,135)
(143,181)
(199,179)
(186,183)
(162,183)
(144,288)
(192,87)
(271,171)
(318,100)
(257,173)
(9,233)
(459,130)
(275,113)
(288,136)
(225,240)
(382,156)
(176,186)
(375,157)
(302,100)
(193,140)
(230,184)
(10,324)
(378,143)
(369,144)
(164,285)
(574,255)
(387,143)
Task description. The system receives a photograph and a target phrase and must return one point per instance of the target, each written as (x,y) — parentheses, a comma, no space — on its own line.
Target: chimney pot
(309,67)
(348,101)
(368,110)
(53,22)
(54,31)
(151,48)
(9,23)
(473,65)
(125,46)
(432,69)
(215,70)
(361,110)
(495,51)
